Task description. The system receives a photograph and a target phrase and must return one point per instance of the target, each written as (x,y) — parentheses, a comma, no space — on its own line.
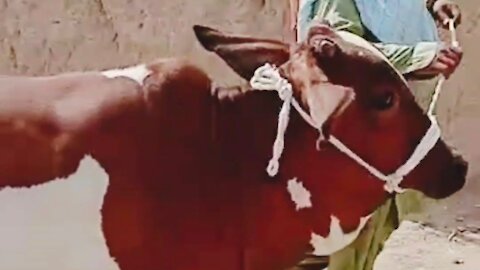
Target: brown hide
(188,187)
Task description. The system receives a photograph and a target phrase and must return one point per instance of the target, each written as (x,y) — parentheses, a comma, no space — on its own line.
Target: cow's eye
(384,101)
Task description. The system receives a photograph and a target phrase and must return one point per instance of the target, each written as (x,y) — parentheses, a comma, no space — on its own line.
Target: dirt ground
(417,247)
(459,114)
(48,37)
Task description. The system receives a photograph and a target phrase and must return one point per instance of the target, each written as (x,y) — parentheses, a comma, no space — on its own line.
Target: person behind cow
(406,32)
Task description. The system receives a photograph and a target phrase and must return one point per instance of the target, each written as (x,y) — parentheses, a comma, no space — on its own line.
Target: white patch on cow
(299,194)
(137,73)
(337,239)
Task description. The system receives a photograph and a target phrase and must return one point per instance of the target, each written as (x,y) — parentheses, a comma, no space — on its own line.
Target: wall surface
(47,37)
(61,218)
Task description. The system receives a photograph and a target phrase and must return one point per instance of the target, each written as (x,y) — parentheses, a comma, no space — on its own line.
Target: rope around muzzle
(267,78)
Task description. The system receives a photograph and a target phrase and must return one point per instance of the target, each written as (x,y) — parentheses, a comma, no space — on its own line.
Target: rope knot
(392,183)
(285,90)
(268,78)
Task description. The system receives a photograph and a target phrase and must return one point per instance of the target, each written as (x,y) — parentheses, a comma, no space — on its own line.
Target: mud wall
(48,37)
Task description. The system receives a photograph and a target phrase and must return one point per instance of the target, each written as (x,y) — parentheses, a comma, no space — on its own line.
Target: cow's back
(42,119)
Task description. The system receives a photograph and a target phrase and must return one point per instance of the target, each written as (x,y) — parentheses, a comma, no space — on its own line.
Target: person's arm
(424,60)
(408,59)
(430,4)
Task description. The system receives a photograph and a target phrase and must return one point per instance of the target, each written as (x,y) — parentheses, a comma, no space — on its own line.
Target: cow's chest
(282,226)
(36,151)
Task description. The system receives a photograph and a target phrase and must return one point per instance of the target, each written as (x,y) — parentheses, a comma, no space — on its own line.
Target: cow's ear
(243,54)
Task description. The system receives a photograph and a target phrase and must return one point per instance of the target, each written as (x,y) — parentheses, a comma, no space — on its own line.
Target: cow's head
(383,125)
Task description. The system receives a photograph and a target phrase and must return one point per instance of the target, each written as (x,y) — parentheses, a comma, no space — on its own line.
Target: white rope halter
(268,78)
(438,88)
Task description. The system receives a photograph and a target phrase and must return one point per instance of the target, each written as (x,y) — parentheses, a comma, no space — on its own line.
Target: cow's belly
(175,226)
(185,225)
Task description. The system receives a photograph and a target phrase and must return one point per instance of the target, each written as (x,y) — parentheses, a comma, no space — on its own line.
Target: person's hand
(445,63)
(443,10)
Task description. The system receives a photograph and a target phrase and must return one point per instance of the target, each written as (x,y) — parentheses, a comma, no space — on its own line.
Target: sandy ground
(417,247)
(61,218)
(459,114)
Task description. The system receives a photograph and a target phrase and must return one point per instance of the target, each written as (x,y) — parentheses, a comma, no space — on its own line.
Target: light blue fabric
(398,21)
(306,12)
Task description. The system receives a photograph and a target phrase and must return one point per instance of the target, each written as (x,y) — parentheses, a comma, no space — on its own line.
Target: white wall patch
(137,73)
(299,194)
(337,239)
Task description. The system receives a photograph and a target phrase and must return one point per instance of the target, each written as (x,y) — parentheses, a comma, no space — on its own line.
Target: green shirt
(343,15)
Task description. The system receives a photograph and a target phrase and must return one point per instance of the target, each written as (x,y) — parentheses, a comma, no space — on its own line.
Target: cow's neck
(245,125)
(336,183)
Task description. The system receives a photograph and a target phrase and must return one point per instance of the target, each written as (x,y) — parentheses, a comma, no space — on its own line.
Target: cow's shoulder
(176,73)
(176,81)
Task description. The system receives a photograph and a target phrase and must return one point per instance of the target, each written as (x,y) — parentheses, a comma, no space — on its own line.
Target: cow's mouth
(454,178)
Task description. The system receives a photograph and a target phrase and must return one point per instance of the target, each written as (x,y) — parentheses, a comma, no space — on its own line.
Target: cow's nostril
(454,179)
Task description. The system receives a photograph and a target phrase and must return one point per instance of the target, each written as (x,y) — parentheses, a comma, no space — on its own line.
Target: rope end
(273,167)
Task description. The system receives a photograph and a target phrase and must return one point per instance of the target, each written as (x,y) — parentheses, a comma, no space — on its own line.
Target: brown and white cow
(186,163)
